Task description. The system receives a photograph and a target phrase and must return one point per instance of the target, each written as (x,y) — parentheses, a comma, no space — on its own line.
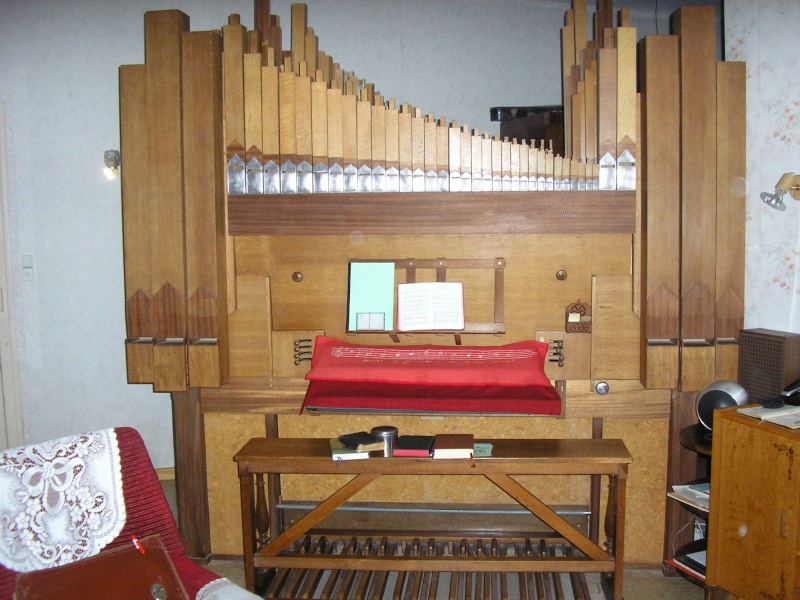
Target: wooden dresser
(753,536)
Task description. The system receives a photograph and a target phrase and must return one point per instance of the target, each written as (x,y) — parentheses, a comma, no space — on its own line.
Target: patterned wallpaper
(763,33)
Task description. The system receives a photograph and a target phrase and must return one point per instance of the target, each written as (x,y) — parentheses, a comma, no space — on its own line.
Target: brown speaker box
(768,361)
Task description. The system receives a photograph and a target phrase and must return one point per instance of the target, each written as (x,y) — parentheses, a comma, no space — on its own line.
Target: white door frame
(11,426)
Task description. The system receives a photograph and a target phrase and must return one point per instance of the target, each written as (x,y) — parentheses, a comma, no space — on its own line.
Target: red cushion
(410,398)
(518,364)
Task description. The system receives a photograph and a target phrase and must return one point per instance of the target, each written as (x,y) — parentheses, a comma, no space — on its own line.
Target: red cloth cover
(469,399)
(148,512)
(516,364)
(507,379)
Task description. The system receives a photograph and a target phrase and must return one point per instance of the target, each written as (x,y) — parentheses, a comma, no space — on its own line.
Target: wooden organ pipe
(312,127)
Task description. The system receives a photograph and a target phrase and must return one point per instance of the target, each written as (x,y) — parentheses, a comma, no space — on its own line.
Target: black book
(414,445)
(361,441)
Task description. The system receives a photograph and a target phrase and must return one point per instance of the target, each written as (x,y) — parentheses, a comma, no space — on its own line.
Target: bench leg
(615,540)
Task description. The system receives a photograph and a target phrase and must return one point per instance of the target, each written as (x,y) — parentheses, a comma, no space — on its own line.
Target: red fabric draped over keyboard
(507,379)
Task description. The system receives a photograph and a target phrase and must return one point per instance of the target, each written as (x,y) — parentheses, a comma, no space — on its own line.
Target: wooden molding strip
(260,395)
(386,213)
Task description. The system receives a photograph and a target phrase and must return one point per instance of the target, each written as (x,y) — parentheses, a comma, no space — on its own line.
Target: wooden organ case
(642,220)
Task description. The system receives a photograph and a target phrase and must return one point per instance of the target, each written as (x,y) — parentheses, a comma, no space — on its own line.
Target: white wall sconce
(789,182)
(111,159)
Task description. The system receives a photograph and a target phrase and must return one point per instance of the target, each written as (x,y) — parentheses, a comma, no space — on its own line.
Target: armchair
(68,499)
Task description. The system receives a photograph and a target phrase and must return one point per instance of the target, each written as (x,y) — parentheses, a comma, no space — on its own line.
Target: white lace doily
(224,589)
(60,501)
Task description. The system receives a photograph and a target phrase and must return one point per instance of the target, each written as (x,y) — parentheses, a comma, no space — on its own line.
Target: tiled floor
(640,584)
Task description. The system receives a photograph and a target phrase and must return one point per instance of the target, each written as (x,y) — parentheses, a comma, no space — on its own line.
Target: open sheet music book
(430,306)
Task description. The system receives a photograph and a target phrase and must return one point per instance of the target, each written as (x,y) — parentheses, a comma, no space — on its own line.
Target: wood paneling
(253,123)
(661,366)
(607,102)
(698,365)
(169,365)
(660,165)
(534,297)
(204,364)
(270,114)
(627,113)
(136,236)
(249,327)
(615,329)
(225,434)
(139,360)
(576,351)
(204,207)
(233,38)
(696,27)
(190,473)
(291,352)
(454,212)
(258,395)
(731,188)
(163,31)
(136,201)
(753,512)
(645,498)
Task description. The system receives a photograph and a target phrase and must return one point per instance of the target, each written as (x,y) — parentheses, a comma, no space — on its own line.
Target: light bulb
(111,159)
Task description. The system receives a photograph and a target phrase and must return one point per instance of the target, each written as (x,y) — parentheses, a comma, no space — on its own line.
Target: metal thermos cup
(389,435)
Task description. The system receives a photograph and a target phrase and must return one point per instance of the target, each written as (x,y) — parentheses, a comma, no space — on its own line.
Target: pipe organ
(288,166)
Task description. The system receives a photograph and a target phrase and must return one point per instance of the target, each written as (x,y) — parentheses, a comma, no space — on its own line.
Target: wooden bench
(510,457)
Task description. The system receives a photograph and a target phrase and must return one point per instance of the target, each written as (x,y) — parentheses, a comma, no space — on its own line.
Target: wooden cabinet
(755,487)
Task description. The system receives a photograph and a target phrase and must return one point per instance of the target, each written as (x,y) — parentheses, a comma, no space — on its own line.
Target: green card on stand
(370,298)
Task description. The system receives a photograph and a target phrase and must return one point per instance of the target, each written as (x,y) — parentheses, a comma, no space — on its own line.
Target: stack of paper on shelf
(694,495)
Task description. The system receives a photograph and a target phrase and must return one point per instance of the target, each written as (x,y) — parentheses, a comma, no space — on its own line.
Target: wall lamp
(111,159)
(789,182)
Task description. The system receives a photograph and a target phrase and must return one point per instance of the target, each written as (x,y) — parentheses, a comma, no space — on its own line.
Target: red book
(453,445)
(414,445)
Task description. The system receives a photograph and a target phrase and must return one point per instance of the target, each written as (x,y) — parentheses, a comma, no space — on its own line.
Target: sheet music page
(413,307)
(428,306)
(447,306)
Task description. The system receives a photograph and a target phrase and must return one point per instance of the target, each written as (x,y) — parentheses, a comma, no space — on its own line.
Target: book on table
(339,451)
(787,415)
(688,566)
(453,445)
(414,445)
(436,305)
(696,496)
(361,441)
